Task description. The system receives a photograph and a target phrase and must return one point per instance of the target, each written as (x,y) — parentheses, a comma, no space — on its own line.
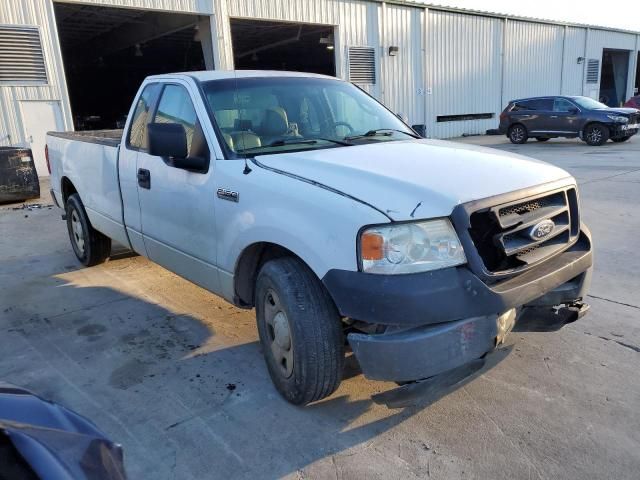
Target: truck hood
(416,178)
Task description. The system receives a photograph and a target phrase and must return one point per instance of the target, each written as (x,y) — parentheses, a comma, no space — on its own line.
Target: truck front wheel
(90,246)
(300,331)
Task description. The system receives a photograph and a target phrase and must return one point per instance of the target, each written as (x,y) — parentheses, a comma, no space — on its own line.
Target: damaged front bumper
(437,321)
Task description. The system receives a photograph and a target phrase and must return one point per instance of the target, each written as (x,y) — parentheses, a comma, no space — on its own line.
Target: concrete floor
(177,377)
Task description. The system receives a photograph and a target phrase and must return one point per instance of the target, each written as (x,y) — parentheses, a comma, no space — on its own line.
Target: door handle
(554,116)
(144,178)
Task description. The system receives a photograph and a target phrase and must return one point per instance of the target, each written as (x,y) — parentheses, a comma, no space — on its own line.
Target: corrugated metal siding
(402,75)
(533,59)
(464,71)
(572,71)
(601,39)
(356,24)
(34,13)
(204,7)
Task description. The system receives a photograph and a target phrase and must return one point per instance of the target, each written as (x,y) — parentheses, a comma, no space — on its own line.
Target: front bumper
(439,320)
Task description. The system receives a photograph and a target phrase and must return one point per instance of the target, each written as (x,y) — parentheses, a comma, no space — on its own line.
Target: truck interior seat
(242,140)
(274,125)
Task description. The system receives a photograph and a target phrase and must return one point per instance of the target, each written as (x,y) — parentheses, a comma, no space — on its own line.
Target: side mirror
(574,111)
(167,140)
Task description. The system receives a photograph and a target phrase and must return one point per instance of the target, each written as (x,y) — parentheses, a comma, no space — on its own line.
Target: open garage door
(614,76)
(107,52)
(266,45)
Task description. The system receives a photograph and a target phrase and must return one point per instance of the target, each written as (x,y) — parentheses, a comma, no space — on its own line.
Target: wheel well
(248,266)
(596,122)
(68,189)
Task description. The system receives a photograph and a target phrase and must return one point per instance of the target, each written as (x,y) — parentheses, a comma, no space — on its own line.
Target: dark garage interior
(107,52)
(269,45)
(613,77)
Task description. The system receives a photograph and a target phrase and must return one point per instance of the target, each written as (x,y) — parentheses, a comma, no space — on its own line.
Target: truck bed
(89,160)
(110,138)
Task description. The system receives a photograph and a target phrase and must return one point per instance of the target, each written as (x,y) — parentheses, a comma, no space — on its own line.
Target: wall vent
(362,65)
(21,57)
(593,70)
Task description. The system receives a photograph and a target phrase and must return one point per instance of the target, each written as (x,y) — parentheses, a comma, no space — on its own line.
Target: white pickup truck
(302,196)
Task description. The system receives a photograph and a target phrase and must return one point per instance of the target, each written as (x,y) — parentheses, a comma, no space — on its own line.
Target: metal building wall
(37,13)
(356,23)
(40,13)
(532,59)
(402,75)
(598,40)
(463,71)
(572,71)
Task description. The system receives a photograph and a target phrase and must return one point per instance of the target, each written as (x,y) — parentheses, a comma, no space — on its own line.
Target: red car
(633,102)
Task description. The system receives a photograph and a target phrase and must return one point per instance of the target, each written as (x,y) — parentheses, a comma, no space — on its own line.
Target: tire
(543,139)
(90,246)
(596,134)
(620,139)
(300,331)
(518,134)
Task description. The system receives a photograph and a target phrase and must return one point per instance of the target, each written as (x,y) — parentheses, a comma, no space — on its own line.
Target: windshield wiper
(387,132)
(294,141)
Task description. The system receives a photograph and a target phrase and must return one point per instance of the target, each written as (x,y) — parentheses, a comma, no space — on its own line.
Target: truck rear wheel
(90,246)
(300,331)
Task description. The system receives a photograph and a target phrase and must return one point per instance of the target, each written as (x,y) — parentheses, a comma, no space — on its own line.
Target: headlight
(410,247)
(618,118)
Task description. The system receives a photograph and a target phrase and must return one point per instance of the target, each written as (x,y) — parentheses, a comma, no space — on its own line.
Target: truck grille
(506,236)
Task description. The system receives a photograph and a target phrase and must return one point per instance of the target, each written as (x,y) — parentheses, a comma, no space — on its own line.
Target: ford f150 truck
(302,196)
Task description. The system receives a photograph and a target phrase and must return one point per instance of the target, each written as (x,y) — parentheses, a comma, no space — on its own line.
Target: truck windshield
(588,103)
(263,115)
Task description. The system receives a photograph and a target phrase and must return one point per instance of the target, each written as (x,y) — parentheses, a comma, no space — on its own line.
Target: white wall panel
(572,71)
(463,71)
(356,23)
(533,59)
(34,13)
(402,76)
(204,7)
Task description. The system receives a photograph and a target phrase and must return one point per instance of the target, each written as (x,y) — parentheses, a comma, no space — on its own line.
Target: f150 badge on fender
(541,229)
(226,194)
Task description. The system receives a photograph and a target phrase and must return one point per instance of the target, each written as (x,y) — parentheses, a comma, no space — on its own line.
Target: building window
(362,65)
(21,57)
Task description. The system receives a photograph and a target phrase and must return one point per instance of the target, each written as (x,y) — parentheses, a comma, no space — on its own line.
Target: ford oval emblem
(541,230)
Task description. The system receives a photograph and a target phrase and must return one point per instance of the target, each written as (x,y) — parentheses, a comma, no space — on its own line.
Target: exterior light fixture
(393,51)
(580,60)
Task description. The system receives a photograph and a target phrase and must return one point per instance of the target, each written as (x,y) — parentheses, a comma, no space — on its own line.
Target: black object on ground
(18,176)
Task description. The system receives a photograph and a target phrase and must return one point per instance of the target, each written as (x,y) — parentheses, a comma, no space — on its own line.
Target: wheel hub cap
(76,231)
(278,334)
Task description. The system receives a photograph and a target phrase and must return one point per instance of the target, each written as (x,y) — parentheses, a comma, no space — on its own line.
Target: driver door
(177,205)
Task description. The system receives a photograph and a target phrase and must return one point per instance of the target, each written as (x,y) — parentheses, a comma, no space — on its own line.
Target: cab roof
(207,75)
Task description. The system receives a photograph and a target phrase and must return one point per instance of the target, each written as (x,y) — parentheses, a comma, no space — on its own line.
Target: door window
(176,107)
(563,106)
(540,104)
(137,137)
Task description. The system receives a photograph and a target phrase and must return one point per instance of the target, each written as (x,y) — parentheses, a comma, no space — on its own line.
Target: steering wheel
(344,124)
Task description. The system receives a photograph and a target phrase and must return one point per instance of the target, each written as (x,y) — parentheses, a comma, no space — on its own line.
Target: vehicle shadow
(187,395)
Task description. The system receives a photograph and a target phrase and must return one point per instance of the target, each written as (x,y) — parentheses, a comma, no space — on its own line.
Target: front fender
(318,225)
